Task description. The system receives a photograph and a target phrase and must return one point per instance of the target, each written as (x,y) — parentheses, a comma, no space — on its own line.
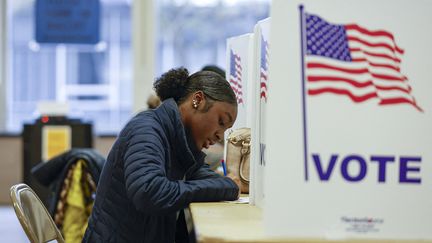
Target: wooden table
(227,222)
(241,223)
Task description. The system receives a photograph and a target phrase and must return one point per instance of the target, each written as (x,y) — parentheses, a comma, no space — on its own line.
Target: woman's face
(208,127)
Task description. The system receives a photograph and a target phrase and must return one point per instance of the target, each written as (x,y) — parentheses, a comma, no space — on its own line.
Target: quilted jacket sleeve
(151,191)
(204,172)
(213,183)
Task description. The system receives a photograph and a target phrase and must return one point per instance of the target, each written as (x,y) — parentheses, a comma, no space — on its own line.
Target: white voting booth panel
(259,103)
(239,50)
(349,120)
(240,75)
(240,57)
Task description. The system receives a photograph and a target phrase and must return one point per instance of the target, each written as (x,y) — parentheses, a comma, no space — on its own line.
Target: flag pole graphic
(302,43)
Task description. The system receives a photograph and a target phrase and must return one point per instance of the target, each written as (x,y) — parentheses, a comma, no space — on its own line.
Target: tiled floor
(10,228)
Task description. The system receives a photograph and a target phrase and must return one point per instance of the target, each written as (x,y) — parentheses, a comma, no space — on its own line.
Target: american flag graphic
(353,61)
(235,78)
(264,69)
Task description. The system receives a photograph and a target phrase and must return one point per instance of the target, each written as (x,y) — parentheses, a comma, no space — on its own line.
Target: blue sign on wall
(67,21)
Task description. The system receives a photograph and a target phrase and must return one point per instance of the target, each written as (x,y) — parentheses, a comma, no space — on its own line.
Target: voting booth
(261,93)
(348,120)
(340,112)
(247,62)
(240,63)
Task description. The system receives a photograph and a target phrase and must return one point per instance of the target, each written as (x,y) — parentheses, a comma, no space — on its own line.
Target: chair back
(33,216)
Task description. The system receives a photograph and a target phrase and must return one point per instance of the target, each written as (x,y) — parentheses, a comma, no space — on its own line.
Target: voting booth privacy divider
(341,118)
(261,78)
(247,62)
(240,71)
(239,52)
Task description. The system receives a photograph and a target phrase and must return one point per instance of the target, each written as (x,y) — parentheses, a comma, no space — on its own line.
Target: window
(193,33)
(95,80)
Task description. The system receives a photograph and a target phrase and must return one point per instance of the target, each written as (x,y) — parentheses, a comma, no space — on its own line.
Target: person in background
(156,166)
(153,101)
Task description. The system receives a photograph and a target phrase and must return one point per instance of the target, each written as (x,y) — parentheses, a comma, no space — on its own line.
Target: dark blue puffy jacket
(141,187)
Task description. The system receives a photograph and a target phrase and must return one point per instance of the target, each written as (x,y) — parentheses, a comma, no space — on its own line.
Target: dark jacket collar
(180,139)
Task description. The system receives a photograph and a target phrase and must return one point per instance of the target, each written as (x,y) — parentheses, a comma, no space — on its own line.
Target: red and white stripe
(236,81)
(264,74)
(374,73)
